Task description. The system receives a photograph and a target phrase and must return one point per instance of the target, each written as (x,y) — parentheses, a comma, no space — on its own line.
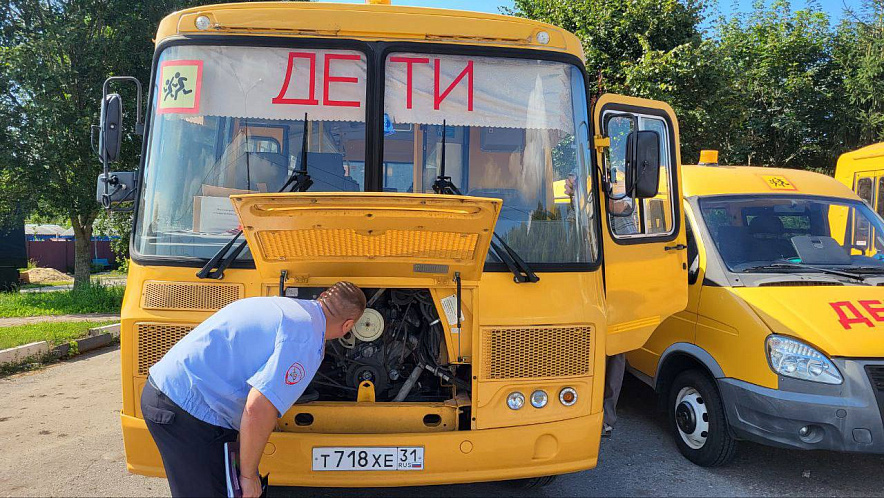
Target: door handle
(679,247)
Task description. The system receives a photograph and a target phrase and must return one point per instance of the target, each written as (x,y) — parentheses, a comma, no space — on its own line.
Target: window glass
(753,232)
(512,129)
(860,225)
(627,217)
(880,207)
(231,120)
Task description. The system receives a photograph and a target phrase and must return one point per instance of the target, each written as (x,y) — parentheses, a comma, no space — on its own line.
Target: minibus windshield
(230,120)
(795,234)
(512,129)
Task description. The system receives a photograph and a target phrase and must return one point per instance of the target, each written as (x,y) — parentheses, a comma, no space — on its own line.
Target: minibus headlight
(515,400)
(793,358)
(539,399)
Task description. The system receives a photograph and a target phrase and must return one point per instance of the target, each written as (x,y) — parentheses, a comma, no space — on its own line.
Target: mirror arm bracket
(601,143)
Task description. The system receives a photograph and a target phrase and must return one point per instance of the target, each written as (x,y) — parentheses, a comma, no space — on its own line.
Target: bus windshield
(509,129)
(232,119)
(790,233)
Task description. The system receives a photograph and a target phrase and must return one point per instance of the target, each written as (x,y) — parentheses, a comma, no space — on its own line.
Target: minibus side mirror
(643,163)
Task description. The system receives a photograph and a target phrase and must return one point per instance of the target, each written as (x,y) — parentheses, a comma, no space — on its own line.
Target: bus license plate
(369,458)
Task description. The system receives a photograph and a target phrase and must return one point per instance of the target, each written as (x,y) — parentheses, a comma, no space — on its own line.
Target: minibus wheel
(697,419)
(533,482)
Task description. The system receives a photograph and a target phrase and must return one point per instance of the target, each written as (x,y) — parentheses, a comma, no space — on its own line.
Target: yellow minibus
(782,340)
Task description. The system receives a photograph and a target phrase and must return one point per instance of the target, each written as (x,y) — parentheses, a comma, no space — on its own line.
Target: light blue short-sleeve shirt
(274,344)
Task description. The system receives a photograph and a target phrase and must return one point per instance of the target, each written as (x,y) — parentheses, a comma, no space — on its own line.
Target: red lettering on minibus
(410,61)
(847,322)
(311,100)
(874,308)
(467,71)
(328,78)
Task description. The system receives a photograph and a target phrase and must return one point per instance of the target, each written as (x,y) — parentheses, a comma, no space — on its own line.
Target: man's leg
(616,365)
(192,450)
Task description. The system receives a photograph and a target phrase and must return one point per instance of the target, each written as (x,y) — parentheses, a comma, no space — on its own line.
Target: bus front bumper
(449,457)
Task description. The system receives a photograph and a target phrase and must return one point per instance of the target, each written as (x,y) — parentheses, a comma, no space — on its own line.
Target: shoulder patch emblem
(294,374)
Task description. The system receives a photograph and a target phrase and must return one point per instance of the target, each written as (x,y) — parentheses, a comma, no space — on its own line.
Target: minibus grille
(325,244)
(155,340)
(191,296)
(876,377)
(536,352)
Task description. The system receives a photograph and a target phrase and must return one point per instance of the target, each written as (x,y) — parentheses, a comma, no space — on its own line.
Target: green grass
(53,332)
(92,299)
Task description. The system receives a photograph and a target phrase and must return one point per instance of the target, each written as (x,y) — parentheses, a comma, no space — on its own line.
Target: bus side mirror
(643,163)
(111,133)
(116,188)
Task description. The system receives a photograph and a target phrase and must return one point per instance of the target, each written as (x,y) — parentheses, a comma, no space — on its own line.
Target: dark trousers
(192,450)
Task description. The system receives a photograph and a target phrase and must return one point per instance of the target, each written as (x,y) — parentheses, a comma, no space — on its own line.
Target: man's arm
(258,420)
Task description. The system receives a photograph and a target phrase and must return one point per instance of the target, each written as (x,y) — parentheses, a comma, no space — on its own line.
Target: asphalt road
(60,436)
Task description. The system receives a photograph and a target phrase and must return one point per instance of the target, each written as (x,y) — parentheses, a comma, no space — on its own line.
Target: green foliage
(118,225)
(53,332)
(773,87)
(94,298)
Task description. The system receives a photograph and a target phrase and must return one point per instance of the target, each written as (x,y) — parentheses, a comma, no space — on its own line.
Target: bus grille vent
(189,295)
(333,244)
(155,340)
(536,352)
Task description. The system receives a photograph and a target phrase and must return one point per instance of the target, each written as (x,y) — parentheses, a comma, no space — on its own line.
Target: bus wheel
(533,482)
(697,419)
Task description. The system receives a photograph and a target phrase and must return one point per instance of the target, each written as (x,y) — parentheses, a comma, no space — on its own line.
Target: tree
(859,54)
(54,58)
(782,69)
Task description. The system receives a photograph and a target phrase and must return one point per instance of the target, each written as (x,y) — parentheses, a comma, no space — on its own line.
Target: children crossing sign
(180,83)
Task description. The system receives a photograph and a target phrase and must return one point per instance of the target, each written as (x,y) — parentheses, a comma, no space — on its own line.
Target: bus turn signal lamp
(568,396)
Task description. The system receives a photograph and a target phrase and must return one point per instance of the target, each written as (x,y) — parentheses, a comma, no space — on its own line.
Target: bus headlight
(793,358)
(515,400)
(568,396)
(539,399)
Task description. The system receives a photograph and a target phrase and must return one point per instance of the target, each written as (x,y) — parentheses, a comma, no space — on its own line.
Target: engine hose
(447,377)
(409,384)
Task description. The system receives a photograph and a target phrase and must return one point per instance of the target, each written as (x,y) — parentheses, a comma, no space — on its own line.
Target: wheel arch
(683,356)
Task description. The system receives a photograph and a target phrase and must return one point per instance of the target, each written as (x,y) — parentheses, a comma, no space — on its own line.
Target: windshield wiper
(521,271)
(800,266)
(298,181)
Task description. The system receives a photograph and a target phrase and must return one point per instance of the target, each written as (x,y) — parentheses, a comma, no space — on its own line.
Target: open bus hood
(367,234)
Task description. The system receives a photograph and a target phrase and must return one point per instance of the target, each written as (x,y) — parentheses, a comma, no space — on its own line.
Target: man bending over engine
(234,375)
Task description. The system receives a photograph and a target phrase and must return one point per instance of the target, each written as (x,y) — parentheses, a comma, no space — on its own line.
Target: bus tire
(697,420)
(533,482)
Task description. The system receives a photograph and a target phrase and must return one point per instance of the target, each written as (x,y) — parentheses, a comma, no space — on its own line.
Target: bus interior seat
(770,243)
(326,169)
(734,243)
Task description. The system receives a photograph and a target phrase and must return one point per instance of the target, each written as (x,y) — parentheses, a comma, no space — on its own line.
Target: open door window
(645,248)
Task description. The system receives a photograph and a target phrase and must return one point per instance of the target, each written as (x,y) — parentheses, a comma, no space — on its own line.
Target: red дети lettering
(410,61)
(876,312)
(467,71)
(311,100)
(846,321)
(328,78)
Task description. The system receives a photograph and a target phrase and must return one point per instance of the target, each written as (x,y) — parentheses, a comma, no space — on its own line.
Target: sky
(833,7)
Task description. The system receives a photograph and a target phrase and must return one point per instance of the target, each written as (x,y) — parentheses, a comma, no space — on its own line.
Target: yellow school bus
(863,172)
(416,153)
(780,342)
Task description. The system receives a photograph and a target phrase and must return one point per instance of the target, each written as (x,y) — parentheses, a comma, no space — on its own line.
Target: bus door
(645,250)
(864,185)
